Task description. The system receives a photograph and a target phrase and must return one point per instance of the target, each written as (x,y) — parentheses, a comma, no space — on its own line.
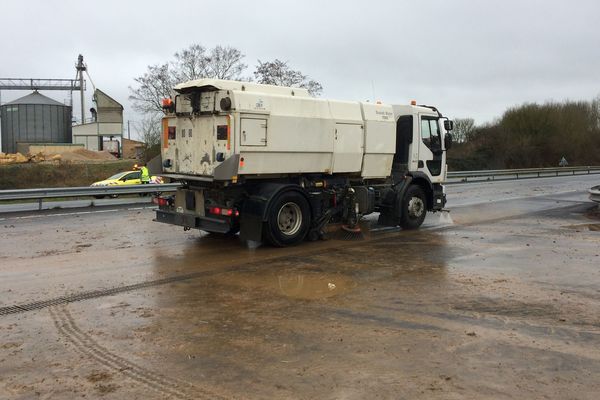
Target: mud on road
(498,304)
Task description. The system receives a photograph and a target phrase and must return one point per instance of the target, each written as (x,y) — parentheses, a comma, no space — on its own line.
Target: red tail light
(161,201)
(228,212)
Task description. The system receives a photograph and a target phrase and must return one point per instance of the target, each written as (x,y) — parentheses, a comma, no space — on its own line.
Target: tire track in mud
(84,344)
(38,305)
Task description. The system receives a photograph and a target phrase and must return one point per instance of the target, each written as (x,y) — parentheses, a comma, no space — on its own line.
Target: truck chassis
(285,211)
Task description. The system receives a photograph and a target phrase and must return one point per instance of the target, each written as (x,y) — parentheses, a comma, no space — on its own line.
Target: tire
(414,208)
(288,220)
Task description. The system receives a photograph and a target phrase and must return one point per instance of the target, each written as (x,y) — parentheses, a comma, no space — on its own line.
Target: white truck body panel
(276,130)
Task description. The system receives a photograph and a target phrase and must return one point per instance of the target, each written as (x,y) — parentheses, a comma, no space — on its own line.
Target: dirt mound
(16,158)
(86,155)
(79,155)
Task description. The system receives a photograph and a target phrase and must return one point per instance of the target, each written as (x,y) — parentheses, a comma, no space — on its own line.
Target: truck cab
(421,141)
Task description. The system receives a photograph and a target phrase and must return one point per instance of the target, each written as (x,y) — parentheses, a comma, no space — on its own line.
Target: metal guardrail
(595,194)
(523,173)
(48,193)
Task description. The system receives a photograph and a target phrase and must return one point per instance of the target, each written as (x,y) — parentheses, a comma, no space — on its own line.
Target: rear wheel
(414,208)
(288,220)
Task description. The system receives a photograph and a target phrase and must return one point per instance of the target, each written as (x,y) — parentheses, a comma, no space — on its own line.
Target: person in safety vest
(144,175)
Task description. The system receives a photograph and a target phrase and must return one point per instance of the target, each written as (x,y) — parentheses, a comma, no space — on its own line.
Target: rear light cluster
(162,201)
(228,212)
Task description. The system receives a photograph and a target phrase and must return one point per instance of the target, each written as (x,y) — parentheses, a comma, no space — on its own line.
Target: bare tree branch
(156,84)
(279,73)
(464,129)
(149,128)
(194,62)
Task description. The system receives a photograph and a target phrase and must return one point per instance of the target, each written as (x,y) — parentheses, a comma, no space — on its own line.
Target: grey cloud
(471,58)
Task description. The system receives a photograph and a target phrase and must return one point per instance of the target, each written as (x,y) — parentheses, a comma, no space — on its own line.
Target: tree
(532,136)
(156,84)
(225,63)
(464,129)
(149,128)
(221,62)
(194,62)
(279,73)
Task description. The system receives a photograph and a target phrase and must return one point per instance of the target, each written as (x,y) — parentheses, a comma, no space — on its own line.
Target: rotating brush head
(351,233)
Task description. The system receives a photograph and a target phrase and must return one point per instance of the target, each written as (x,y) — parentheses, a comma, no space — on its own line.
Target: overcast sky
(469,58)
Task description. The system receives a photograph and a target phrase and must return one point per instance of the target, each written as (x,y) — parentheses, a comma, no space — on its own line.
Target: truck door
(348,148)
(430,148)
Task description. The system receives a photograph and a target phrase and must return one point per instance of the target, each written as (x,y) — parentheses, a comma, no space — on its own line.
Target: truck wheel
(288,220)
(414,208)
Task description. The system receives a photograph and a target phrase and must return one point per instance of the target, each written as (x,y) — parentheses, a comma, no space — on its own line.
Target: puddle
(313,286)
(304,285)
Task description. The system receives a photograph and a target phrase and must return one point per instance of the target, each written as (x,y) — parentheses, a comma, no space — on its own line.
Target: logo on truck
(259,105)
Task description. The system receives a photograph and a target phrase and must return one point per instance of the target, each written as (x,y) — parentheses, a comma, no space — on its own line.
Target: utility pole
(128,131)
(81,68)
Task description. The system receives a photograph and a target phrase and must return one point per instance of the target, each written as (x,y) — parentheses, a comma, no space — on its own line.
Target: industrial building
(107,122)
(34,118)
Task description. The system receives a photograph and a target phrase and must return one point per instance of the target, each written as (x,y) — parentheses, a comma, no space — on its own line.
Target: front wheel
(288,220)
(414,208)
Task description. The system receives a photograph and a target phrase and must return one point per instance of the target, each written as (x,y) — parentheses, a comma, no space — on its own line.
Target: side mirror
(448,125)
(448,140)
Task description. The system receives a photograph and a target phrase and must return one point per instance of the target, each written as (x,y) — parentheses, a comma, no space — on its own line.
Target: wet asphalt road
(499,300)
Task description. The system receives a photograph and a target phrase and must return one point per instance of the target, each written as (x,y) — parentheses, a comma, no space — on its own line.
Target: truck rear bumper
(192,221)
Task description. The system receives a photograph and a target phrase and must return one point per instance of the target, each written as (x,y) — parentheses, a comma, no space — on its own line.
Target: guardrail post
(40,204)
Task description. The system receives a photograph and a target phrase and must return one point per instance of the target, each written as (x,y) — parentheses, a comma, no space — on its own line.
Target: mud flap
(390,216)
(251,218)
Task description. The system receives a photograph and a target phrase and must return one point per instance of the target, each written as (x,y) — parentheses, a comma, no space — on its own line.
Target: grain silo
(34,118)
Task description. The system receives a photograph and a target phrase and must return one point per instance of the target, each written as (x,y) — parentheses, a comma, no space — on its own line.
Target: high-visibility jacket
(145,176)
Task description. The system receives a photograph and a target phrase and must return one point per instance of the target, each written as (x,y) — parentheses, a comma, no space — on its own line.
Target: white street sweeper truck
(277,164)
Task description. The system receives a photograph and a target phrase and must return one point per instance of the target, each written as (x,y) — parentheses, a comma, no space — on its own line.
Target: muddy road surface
(499,300)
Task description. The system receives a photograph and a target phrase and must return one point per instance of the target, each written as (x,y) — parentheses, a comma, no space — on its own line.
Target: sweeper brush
(351,233)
